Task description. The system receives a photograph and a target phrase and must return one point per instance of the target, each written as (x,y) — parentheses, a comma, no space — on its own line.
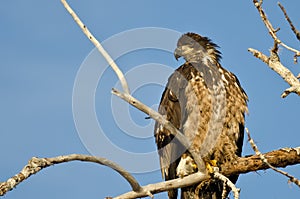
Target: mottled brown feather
(191,96)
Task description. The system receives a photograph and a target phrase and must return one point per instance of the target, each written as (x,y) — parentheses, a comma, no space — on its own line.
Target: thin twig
(37,164)
(297,33)
(227,182)
(167,124)
(264,159)
(98,46)
(270,28)
(285,73)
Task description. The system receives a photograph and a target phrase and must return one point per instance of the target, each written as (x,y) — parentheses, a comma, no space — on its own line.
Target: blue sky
(43,51)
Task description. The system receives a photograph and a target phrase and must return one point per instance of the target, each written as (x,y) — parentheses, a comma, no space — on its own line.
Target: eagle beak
(178,53)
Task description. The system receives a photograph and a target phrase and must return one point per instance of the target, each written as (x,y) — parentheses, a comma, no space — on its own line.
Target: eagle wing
(172,108)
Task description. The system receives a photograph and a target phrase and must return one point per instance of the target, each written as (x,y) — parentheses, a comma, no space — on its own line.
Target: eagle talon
(211,166)
(194,166)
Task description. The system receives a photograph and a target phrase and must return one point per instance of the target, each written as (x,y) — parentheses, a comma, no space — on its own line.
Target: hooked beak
(177,53)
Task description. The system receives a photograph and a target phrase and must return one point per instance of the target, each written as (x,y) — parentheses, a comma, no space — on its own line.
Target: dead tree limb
(278,158)
(37,164)
(163,121)
(274,63)
(273,60)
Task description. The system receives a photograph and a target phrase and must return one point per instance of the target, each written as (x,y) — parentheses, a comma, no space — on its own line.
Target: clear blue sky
(42,50)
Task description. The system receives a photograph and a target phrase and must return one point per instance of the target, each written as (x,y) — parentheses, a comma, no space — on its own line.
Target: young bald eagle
(207,104)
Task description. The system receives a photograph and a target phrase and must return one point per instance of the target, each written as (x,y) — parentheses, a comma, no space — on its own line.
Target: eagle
(207,104)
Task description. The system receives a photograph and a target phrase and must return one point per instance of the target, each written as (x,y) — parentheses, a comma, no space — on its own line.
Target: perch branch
(98,46)
(278,158)
(285,73)
(37,164)
(296,32)
(165,186)
(262,157)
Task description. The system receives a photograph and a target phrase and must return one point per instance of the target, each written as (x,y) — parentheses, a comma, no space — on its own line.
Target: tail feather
(212,189)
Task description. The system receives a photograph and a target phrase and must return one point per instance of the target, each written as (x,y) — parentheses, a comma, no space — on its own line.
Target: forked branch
(273,60)
(281,70)
(163,121)
(270,27)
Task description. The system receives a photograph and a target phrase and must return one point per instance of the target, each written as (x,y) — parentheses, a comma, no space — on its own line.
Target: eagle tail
(212,189)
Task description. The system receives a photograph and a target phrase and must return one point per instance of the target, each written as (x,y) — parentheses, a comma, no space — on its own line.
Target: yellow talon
(194,165)
(213,163)
(210,164)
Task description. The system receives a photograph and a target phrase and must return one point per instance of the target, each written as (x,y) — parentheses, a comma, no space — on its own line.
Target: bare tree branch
(284,72)
(297,33)
(269,26)
(37,164)
(278,158)
(262,157)
(167,185)
(98,46)
(273,61)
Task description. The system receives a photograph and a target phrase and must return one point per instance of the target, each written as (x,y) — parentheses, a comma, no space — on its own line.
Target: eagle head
(194,48)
